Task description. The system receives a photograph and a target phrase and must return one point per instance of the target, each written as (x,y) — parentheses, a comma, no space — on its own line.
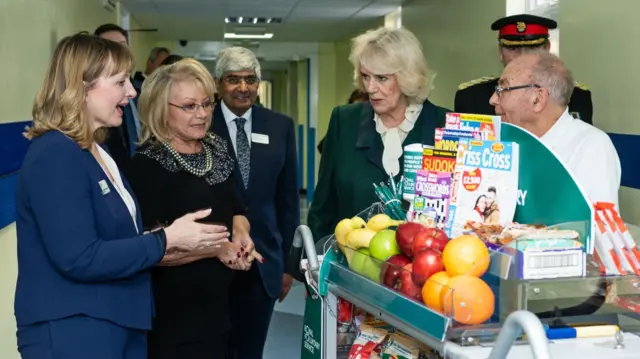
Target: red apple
(425,264)
(391,269)
(407,285)
(430,238)
(405,234)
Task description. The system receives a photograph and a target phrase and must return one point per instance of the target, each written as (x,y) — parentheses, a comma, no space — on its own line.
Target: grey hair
(234,59)
(551,73)
(155,52)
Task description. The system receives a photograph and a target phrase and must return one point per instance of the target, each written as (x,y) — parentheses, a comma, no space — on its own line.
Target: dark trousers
(214,348)
(80,337)
(251,310)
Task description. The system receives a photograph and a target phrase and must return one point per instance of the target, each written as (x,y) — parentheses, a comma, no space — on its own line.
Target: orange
(432,291)
(466,254)
(469,300)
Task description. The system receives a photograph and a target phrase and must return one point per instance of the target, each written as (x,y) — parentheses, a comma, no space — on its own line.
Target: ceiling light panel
(248,20)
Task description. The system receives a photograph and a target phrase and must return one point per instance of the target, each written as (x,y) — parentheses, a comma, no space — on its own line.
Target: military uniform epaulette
(581,85)
(476,81)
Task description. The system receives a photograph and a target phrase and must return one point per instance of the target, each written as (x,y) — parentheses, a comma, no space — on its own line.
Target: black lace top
(191,301)
(223,163)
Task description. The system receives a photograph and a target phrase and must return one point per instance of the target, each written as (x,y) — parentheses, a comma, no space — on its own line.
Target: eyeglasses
(207,106)
(236,80)
(499,89)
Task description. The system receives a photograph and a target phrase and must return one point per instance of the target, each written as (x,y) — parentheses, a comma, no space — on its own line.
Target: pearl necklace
(199,172)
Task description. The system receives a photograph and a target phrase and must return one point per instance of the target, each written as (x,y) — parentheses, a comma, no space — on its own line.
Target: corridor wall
(599,45)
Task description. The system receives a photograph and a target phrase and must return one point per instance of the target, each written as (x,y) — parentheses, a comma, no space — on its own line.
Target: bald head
(549,72)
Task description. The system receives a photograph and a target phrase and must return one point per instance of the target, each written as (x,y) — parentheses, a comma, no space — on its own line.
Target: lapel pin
(104,187)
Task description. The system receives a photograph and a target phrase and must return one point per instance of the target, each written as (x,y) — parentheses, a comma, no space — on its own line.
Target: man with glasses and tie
(263,144)
(517,35)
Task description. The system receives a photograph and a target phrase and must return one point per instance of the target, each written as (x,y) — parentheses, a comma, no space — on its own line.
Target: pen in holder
(389,196)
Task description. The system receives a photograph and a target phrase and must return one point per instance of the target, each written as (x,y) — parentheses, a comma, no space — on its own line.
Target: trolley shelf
(407,315)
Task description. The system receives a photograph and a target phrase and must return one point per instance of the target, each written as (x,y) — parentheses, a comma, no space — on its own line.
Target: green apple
(383,245)
(363,264)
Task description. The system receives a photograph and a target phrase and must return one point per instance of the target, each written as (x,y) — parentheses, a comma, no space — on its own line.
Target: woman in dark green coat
(364,143)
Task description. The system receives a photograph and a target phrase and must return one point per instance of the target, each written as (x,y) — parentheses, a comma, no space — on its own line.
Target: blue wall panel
(13,146)
(627,147)
(311,141)
(300,155)
(7,202)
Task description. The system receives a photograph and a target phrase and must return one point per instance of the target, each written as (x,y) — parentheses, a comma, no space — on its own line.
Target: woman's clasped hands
(190,238)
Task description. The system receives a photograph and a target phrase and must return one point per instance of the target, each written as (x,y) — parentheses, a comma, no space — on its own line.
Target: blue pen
(561,333)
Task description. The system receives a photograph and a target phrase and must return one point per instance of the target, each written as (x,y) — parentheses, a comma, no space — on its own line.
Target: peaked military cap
(523,30)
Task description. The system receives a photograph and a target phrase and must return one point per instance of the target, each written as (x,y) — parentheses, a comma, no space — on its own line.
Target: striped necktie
(243,150)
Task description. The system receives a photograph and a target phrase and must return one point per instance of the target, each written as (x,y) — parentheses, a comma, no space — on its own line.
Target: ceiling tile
(324,12)
(303,20)
(376,10)
(258,11)
(140,7)
(345,3)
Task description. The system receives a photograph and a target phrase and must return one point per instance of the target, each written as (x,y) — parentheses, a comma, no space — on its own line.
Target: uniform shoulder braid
(481,80)
(581,85)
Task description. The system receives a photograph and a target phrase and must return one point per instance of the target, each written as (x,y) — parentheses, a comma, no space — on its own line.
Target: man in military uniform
(518,34)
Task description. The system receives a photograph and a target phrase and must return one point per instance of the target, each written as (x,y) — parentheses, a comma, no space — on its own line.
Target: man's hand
(287,282)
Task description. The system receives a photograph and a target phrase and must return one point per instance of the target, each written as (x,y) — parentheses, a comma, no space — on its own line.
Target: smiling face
(384,92)
(189,111)
(106,98)
(239,90)
(481,204)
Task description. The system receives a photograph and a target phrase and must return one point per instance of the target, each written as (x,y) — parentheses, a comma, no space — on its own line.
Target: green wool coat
(352,161)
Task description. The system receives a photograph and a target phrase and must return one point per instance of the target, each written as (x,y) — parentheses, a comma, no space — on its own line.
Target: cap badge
(521,26)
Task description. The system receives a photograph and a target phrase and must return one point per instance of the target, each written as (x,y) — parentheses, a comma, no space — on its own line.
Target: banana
(342,229)
(358,222)
(360,238)
(356,239)
(381,221)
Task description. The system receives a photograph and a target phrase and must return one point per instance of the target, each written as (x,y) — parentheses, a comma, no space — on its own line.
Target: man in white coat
(533,93)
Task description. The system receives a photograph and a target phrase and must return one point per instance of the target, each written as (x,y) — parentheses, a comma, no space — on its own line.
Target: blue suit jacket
(272,197)
(78,249)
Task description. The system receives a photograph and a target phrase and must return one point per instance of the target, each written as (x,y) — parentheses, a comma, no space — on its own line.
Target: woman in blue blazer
(83,288)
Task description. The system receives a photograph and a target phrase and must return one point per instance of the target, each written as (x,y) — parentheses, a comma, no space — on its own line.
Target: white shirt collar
(230,116)
(557,131)
(411,114)
(392,138)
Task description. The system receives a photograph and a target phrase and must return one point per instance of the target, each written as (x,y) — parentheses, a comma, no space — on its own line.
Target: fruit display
(421,263)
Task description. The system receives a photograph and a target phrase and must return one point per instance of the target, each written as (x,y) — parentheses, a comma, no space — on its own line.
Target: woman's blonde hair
(398,52)
(156,91)
(78,62)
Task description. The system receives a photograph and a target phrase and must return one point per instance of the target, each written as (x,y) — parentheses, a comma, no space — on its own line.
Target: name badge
(260,138)
(104,187)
